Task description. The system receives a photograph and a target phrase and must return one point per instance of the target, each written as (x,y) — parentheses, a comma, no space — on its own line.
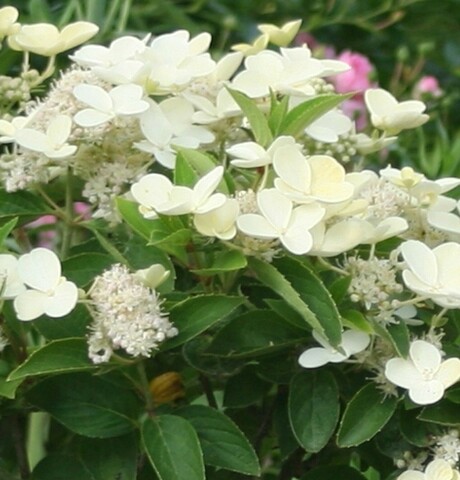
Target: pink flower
(427,86)
(357,78)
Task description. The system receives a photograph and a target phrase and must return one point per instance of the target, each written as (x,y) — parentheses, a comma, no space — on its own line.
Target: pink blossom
(357,78)
(427,85)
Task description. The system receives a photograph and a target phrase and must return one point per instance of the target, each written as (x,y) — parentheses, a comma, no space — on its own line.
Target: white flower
(10,283)
(259,44)
(353,341)
(169,124)
(219,222)
(121,49)
(152,276)
(173,60)
(433,273)
(405,178)
(8,25)
(157,194)
(389,115)
(127,315)
(52,143)
(424,373)
(281,36)
(252,155)
(45,39)
(124,100)
(329,127)
(436,470)
(279,219)
(305,179)
(287,73)
(50,294)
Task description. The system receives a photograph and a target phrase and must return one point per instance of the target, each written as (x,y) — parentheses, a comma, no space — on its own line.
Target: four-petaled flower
(353,341)
(424,373)
(50,293)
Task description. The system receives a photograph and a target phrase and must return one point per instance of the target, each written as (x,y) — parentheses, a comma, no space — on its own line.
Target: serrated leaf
(21,204)
(333,472)
(272,278)
(110,458)
(313,408)
(194,315)
(227,261)
(257,332)
(315,294)
(83,268)
(307,112)
(223,443)
(256,119)
(442,413)
(92,406)
(173,448)
(400,338)
(53,466)
(356,428)
(59,356)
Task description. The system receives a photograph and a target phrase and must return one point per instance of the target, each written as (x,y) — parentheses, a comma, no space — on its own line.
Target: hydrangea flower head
(424,373)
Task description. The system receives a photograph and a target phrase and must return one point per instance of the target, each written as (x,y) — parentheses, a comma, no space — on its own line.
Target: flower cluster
(126,314)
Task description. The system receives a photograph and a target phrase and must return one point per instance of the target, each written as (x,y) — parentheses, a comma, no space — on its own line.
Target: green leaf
(355,427)
(59,356)
(283,309)
(245,388)
(333,472)
(443,413)
(399,334)
(272,278)
(129,211)
(8,388)
(173,448)
(307,112)
(184,174)
(53,466)
(227,261)
(416,432)
(257,332)
(278,112)
(92,406)
(222,442)
(75,324)
(6,229)
(313,292)
(194,315)
(21,204)
(83,268)
(257,120)
(287,442)
(313,408)
(110,458)
(356,319)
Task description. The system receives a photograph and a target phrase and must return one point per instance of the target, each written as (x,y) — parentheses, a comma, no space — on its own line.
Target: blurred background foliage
(404,39)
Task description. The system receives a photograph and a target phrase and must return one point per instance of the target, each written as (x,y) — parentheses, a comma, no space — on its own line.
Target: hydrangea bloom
(49,293)
(353,341)
(424,373)
(433,273)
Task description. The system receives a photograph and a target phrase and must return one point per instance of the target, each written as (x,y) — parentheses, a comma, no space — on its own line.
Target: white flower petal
(89,117)
(63,300)
(420,260)
(30,305)
(275,207)
(94,96)
(40,269)
(58,130)
(426,357)
(256,226)
(354,341)
(426,392)
(33,140)
(449,372)
(402,372)
(315,357)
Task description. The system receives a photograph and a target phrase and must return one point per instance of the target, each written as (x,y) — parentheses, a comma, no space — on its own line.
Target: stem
(150,407)
(19,447)
(68,228)
(207,388)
